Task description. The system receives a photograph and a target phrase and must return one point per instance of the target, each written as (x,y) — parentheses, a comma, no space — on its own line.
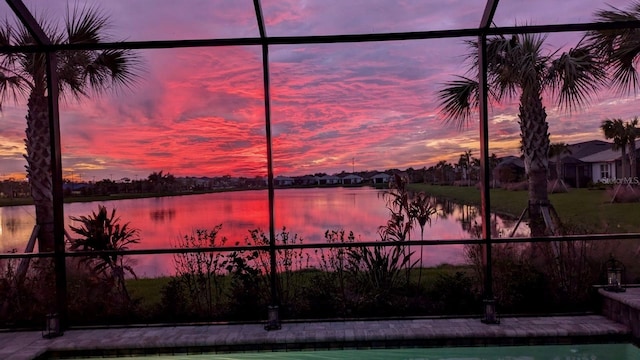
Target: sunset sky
(335,107)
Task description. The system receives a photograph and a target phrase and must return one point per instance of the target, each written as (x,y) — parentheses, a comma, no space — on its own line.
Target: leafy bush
(455,294)
(623,193)
(26,296)
(331,290)
(103,232)
(516,186)
(250,293)
(199,276)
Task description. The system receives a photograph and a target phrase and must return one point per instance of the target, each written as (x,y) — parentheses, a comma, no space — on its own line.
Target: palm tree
(556,150)
(615,129)
(620,51)
(421,210)
(493,164)
(518,67)
(79,72)
(633,133)
(465,162)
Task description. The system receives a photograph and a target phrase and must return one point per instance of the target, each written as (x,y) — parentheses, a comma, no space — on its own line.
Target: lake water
(309,213)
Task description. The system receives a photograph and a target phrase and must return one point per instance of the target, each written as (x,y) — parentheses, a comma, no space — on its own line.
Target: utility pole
(353,165)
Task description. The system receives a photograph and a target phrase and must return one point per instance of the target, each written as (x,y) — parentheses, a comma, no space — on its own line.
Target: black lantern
(273,319)
(490,314)
(52,326)
(615,275)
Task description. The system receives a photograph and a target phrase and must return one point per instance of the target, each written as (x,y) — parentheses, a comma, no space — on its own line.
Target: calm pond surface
(309,213)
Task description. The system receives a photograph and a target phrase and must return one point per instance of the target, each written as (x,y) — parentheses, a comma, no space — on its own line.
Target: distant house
(73,188)
(380,178)
(282,181)
(574,171)
(352,179)
(509,169)
(329,180)
(604,165)
(306,180)
(607,164)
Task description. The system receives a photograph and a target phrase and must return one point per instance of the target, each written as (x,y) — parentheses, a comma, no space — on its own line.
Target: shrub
(95,299)
(250,293)
(26,297)
(516,186)
(455,294)
(103,232)
(331,290)
(198,275)
(557,187)
(290,284)
(623,194)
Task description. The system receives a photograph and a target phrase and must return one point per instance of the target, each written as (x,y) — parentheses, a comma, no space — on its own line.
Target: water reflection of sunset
(307,213)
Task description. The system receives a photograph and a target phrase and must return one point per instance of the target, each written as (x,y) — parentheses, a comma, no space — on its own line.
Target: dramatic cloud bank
(335,107)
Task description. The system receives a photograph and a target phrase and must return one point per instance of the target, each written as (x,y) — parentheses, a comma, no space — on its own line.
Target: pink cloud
(201,111)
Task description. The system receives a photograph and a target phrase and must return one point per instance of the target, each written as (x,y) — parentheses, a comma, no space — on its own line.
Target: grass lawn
(149,290)
(588,211)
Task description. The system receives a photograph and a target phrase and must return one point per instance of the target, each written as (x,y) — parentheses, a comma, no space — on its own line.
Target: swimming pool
(546,352)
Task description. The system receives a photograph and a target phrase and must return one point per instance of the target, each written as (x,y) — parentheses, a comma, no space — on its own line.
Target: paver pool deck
(314,335)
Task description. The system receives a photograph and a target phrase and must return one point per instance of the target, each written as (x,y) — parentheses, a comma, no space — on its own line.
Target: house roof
(607,155)
(569,160)
(602,156)
(587,148)
(511,160)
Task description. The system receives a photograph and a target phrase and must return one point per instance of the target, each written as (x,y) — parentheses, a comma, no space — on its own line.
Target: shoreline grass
(582,210)
(6,202)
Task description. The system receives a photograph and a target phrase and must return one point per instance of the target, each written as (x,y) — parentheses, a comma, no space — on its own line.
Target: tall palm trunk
(535,142)
(632,158)
(38,145)
(623,166)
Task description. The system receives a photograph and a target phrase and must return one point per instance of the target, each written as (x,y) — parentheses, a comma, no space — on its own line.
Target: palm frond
(614,129)
(458,99)
(94,70)
(558,149)
(117,68)
(619,48)
(574,76)
(85,25)
(14,83)
(623,63)
(12,87)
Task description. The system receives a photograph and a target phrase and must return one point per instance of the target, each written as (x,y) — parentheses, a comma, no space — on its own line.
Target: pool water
(548,352)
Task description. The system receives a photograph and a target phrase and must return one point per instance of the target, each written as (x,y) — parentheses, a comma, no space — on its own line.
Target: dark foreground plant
(421,210)
(102,231)
(398,227)
(540,277)
(289,264)
(331,291)
(199,276)
(25,299)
